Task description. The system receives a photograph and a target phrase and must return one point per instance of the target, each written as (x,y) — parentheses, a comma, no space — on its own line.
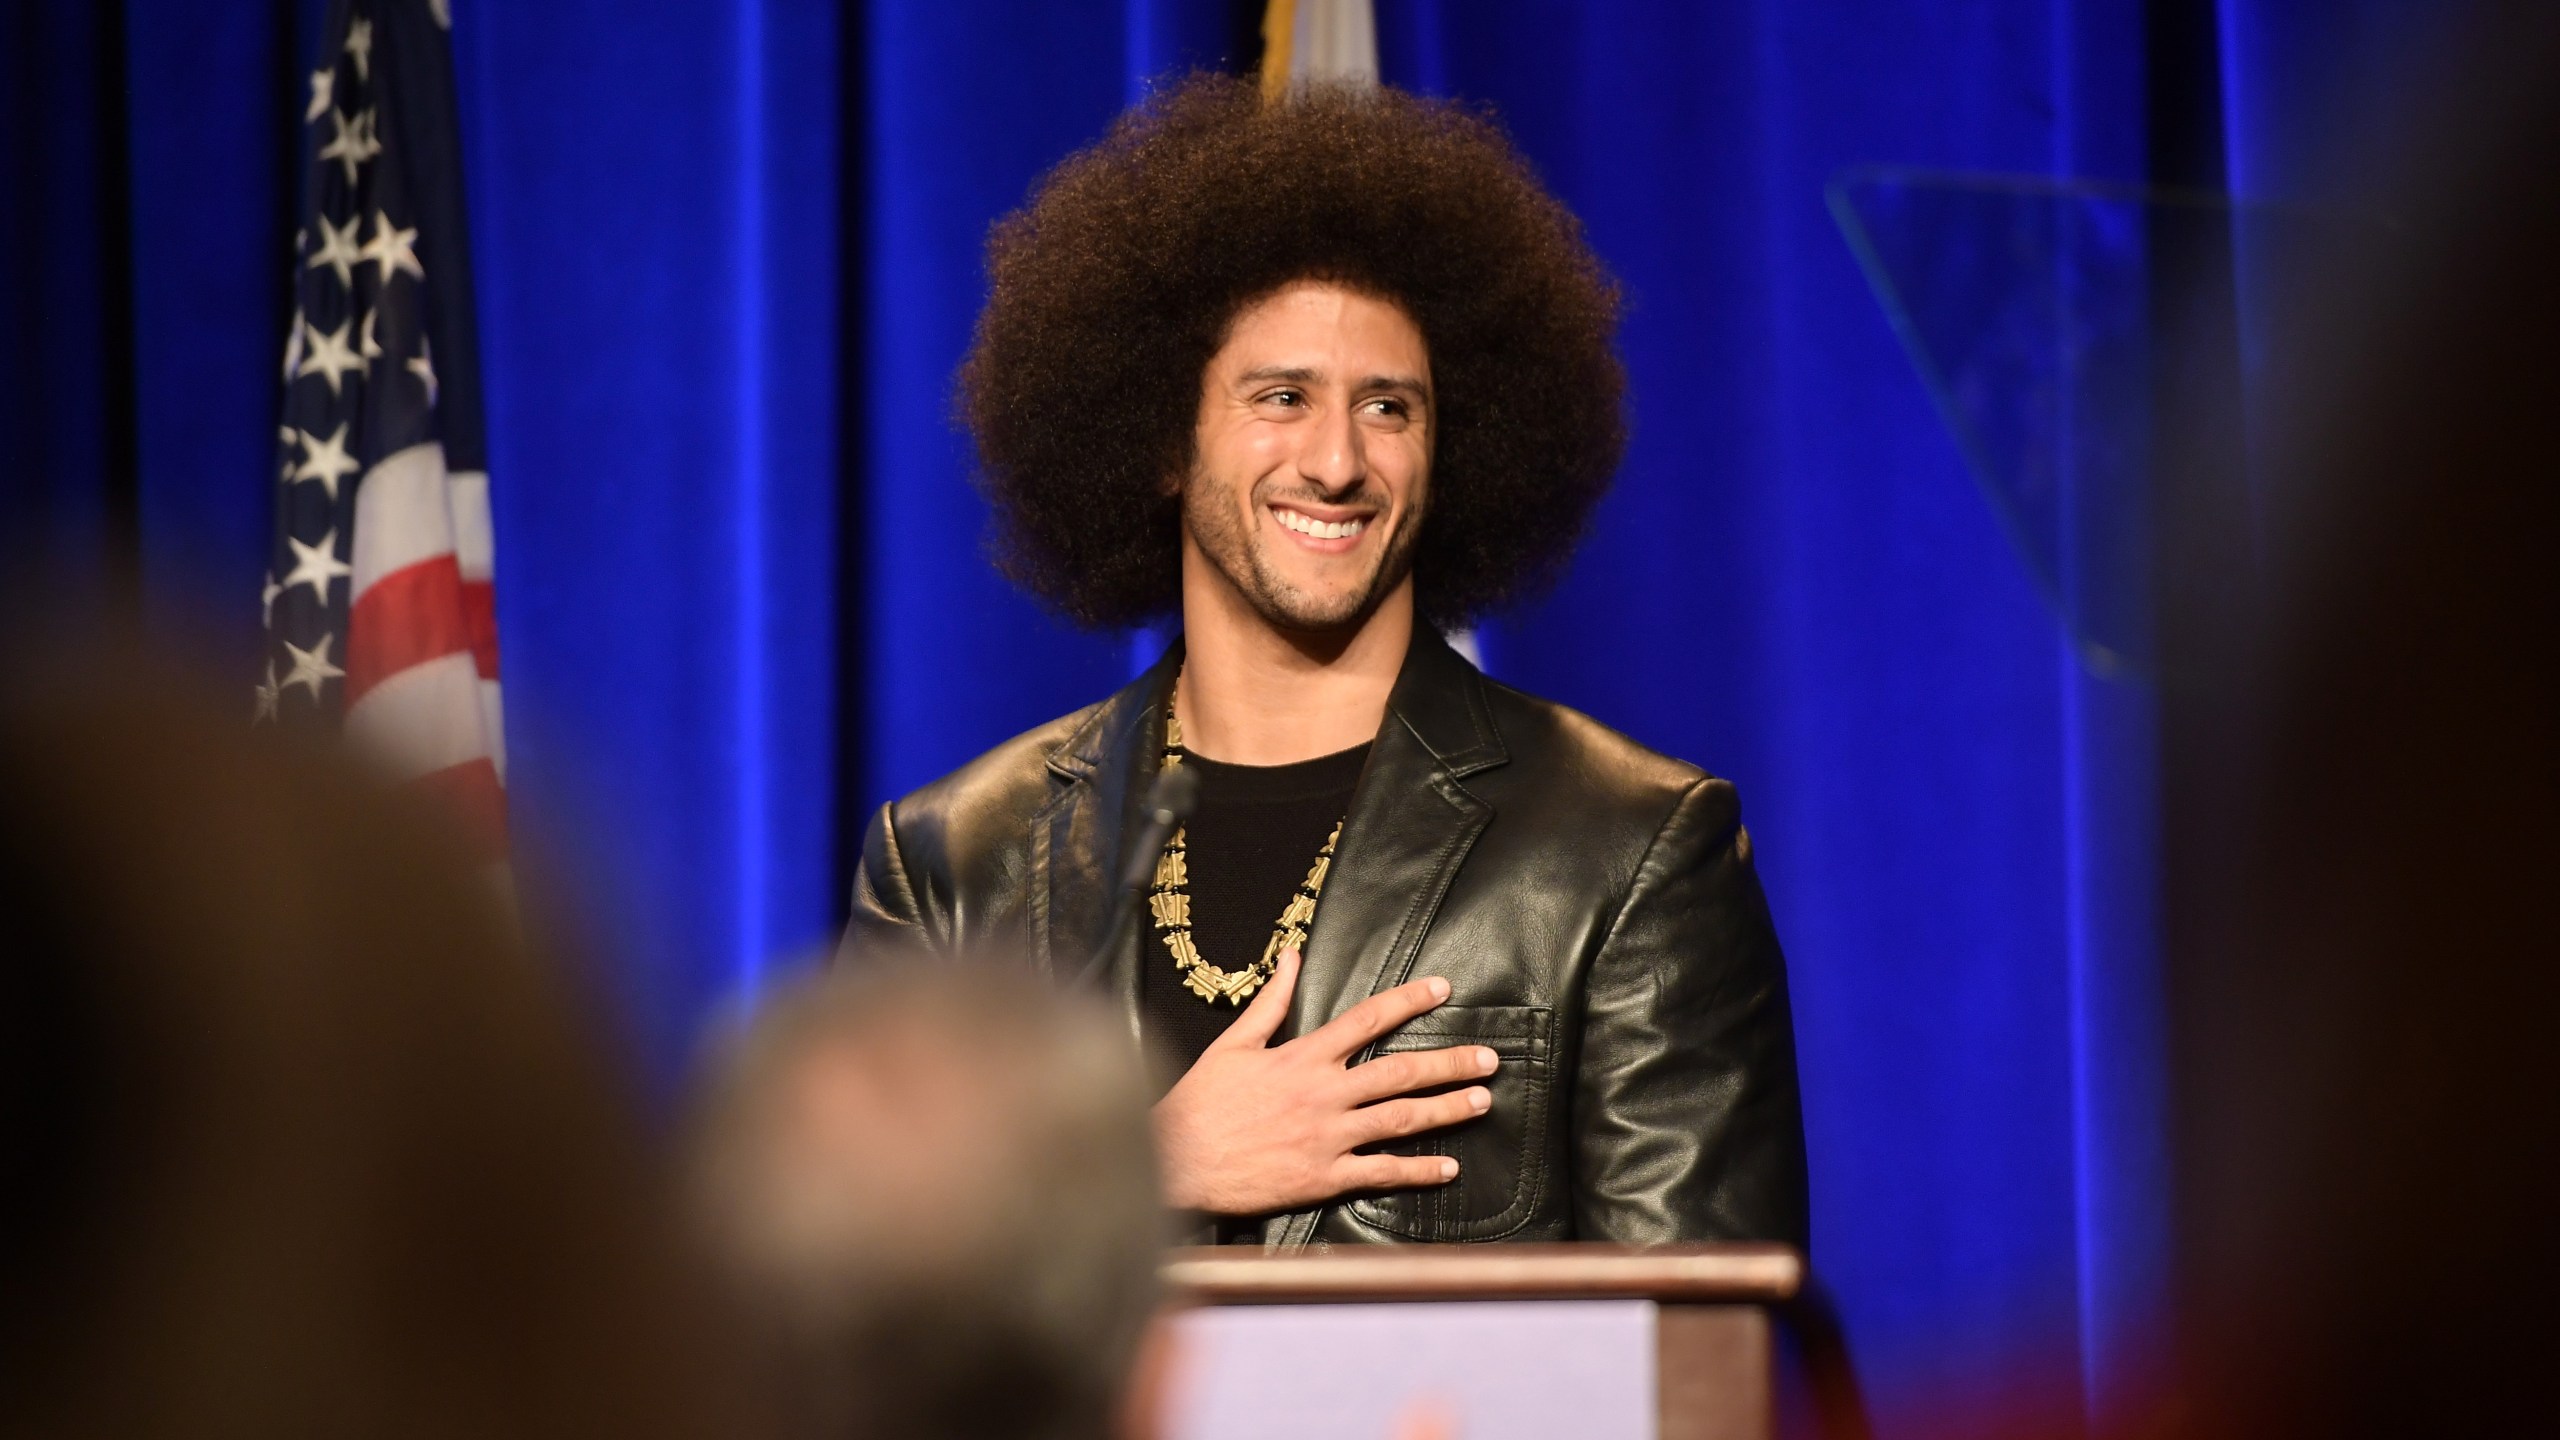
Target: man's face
(1313,458)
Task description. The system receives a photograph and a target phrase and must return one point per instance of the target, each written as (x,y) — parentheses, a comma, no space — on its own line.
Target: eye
(1291,399)
(1387,407)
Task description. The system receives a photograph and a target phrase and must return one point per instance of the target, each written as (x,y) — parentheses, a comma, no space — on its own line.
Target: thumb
(1261,1019)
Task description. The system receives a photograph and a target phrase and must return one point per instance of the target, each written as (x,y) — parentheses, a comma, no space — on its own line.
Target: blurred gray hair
(936,1183)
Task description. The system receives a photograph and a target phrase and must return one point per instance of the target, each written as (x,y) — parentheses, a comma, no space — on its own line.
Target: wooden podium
(1740,1337)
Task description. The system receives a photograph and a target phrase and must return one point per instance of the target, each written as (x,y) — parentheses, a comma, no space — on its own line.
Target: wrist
(1176,1184)
(1185,1198)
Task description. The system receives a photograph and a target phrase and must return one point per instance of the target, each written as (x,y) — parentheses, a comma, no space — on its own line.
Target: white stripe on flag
(402,515)
(424,718)
(475,545)
(493,721)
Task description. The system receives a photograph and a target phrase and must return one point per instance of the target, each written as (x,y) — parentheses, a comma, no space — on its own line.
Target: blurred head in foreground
(2368,1159)
(938,1188)
(302,1141)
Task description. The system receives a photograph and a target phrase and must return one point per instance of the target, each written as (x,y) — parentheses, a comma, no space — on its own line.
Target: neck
(1253,694)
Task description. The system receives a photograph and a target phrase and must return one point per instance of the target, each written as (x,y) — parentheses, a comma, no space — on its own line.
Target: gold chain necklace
(1170,900)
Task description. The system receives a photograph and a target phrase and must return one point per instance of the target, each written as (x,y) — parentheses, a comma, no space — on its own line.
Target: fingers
(1394,1172)
(1394,1119)
(1418,1070)
(1261,1019)
(1343,1035)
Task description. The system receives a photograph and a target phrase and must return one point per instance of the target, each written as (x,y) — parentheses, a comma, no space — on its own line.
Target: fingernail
(1289,956)
(1448,1169)
(1486,1060)
(1480,1100)
(1438,987)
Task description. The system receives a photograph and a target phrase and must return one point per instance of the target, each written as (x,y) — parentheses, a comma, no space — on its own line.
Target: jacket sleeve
(886,915)
(1687,1124)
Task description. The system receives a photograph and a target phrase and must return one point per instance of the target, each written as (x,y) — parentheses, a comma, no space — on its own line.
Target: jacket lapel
(1101,776)
(1412,822)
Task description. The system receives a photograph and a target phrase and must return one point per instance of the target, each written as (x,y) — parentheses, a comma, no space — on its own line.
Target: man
(935,1189)
(1321,375)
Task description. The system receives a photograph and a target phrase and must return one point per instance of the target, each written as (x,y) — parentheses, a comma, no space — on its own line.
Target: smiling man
(1433,959)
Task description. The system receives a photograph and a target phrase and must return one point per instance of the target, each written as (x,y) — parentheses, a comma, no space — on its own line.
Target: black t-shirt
(1254,832)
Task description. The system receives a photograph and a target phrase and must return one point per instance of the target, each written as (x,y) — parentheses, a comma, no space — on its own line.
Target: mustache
(1362,494)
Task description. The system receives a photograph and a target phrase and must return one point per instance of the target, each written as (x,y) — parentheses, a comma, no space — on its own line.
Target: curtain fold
(67,481)
(656,208)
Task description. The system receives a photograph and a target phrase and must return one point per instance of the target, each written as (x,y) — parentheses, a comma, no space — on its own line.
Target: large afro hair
(1115,285)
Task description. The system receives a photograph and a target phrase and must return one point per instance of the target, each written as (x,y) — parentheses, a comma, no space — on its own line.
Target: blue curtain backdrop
(729,257)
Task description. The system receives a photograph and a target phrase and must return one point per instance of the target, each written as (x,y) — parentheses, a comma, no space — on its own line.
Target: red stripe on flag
(471,794)
(480,614)
(411,615)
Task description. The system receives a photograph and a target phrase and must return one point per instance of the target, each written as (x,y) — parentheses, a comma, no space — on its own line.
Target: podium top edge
(1693,1274)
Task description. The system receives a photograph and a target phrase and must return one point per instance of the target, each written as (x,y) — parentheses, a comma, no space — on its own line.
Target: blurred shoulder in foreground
(306,1141)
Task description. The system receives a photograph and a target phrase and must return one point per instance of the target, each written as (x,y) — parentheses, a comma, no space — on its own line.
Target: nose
(1333,458)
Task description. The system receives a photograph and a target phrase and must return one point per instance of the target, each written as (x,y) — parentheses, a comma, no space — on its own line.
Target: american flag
(379,608)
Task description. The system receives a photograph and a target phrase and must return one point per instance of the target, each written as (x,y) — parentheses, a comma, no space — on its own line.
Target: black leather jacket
(1591,903)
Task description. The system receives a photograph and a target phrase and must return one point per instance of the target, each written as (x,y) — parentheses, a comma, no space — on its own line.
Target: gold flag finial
(1279,25)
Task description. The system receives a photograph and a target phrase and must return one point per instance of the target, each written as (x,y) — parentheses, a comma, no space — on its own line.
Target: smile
(1315,529)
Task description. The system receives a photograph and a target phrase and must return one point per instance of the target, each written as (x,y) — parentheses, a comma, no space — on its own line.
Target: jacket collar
(1103,770)
(1125,728)
(1440,699)
(1438,696)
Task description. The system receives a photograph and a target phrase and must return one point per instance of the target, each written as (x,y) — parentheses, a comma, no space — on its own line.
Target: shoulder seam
(1560,713)
(898,862)
(1635,882)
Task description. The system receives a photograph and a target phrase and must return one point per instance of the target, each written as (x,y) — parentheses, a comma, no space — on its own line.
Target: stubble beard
(1231,544)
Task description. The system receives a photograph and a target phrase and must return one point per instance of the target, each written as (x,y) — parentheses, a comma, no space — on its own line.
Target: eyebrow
(1302,375)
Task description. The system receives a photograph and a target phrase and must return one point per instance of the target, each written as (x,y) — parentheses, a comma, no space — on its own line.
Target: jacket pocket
(1502,1154)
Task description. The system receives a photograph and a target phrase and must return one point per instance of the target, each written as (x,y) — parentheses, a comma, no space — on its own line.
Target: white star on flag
(424,367)
(331,358)
(338,249)
(267,600)
(293,348)
(269,692)
(316,565)
(326,461)
(389,250)
(310,667)
(354,144)
(360,47)
(324,90)
(366,345)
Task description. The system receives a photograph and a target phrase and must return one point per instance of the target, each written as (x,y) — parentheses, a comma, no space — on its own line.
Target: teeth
(1320,529)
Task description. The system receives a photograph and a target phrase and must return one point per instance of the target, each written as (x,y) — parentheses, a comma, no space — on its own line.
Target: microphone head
(1175,791)
(1169,802)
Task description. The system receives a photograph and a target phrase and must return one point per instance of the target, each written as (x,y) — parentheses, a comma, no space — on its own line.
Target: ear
(1170,484)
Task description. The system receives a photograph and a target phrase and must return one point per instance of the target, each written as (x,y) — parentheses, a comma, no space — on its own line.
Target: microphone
(1169,802)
